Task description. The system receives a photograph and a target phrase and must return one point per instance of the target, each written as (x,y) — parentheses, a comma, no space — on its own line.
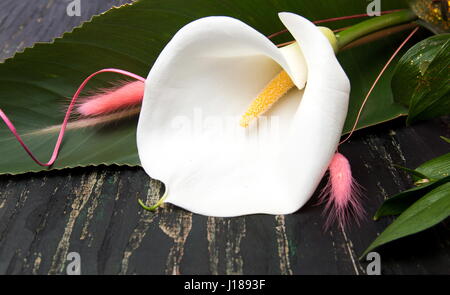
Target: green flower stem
(154,207)
(372,25)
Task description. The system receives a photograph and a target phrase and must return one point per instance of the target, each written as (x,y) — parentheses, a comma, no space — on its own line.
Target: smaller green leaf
(436,168)
(425,213)
(417,175)
(400,202)
(421,79)
(447,140)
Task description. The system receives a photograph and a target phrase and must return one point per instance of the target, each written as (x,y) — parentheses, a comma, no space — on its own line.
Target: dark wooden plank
(94,211)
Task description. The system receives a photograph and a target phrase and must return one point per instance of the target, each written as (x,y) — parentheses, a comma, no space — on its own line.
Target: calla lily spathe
(210,72)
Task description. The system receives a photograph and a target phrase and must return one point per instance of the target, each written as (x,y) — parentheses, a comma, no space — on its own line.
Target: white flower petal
(319,120)
(297,64)
(189,135)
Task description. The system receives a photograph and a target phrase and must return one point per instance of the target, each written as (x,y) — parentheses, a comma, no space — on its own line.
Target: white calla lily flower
(189,135)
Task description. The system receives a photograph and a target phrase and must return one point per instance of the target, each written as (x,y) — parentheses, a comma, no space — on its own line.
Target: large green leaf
(35,83)
(422,79)
(425,213)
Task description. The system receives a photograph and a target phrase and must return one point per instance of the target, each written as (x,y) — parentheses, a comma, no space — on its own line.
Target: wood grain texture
(94,211)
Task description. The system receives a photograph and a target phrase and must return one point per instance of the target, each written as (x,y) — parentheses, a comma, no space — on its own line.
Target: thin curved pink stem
(376,82)
(11,127)
(334,19)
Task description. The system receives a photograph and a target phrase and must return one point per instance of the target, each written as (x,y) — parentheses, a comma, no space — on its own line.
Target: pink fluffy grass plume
(342,194)
(127,95)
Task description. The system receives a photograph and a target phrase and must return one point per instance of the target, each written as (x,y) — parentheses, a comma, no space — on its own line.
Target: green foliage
(422,79)
(420,207)
(425,213)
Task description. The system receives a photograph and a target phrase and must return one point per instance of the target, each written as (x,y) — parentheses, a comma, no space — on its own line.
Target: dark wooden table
(93,211)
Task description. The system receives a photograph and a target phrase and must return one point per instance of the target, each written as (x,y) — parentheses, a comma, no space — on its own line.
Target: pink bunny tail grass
(342,194)
(118,98)
(65,122)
